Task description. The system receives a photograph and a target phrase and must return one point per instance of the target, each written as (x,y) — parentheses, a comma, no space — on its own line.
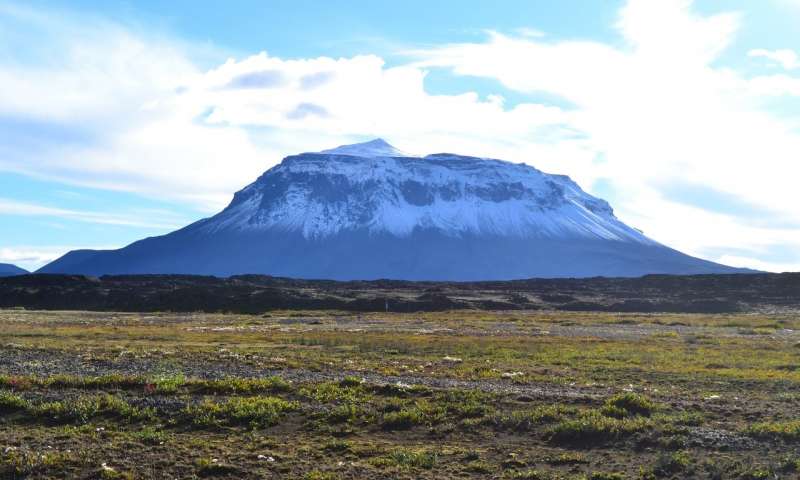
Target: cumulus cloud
(107,107)
(662,113)
(97,104)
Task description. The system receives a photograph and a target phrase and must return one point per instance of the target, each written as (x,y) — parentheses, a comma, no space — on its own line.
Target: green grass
(210,467)
(628,404)
(567,458)
(152,436)
(10,402)
(317,475)
(531,419)
(606,476)
(403,419)
(338,446)
(591,426)
(255,411)
(19,464)
(88,407)
(479,466)
(788,430)
(104,382)
(414,458)
(529,475)
(241,386)
(673,463)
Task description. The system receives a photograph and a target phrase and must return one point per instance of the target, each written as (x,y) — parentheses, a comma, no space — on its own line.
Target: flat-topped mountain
(369,211)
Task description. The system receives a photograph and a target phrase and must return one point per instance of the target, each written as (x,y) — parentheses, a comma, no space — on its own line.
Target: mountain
(8,270)
(369,211)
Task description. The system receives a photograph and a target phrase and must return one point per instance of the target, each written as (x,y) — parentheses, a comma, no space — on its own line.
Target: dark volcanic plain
(258,293)
(314,380)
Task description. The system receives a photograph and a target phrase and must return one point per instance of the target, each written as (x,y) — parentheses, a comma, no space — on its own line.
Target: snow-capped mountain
(375,187)
(370,210)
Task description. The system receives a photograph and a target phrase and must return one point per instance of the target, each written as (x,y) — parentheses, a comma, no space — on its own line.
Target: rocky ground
(765,293)
(455,394)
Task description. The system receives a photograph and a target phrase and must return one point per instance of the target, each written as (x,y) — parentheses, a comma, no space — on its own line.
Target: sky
(121,120)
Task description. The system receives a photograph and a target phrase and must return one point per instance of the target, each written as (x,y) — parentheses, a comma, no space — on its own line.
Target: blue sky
(120,120)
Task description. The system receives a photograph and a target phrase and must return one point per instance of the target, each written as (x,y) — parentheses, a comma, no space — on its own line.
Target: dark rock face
(345,216)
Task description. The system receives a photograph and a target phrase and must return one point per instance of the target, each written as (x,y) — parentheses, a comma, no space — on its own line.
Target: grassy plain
(462,394)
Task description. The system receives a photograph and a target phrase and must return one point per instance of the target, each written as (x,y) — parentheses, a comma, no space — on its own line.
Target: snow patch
(373,186)
(374,148)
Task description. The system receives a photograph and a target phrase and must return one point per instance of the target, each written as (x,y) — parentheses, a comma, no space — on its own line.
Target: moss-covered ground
(331,395)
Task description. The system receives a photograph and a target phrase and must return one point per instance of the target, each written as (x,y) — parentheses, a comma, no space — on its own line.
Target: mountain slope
(9,270)
(369,211)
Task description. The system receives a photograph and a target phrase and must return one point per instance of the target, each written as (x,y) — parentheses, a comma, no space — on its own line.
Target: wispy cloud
(786,58)
(140,219)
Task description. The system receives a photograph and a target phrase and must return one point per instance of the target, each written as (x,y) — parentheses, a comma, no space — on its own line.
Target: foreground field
(331,395)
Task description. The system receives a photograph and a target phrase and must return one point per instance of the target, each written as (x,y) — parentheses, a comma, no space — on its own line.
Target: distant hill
(369,211)
(9,270)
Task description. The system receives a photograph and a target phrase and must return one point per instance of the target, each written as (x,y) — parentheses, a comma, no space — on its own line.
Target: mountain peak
(373,148)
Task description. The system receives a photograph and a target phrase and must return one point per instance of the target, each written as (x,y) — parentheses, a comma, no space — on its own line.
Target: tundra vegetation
(461,394)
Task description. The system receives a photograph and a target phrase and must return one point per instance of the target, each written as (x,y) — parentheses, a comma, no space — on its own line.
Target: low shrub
(628,404)
(788,431)
(592,426)
(257,411)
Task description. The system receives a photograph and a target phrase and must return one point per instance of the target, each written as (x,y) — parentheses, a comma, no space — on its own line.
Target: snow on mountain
(368,211)
(372,186)
(374,148)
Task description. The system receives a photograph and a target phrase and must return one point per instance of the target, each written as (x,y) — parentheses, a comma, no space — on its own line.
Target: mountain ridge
(8,270)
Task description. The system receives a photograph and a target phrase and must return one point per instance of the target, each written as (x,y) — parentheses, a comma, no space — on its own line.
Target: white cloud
(789,3)
(530,32)
(757,264)
(786,58)
(109,107)
(32,258)
(662,113)
(165,221)
(98,106)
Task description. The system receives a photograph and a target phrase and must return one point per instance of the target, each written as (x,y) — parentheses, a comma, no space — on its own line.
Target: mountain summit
(374,148)
(368,211)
